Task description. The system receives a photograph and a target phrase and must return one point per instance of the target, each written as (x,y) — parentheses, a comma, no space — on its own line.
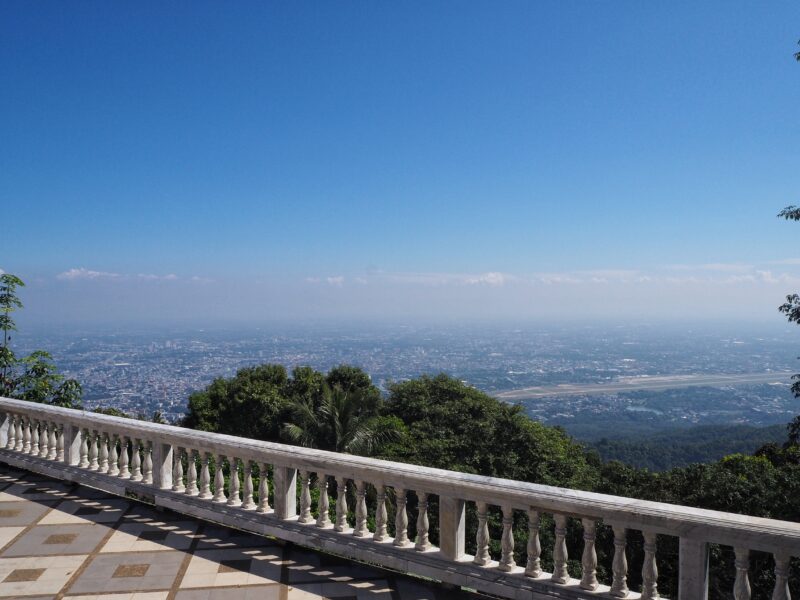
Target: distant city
(588,379)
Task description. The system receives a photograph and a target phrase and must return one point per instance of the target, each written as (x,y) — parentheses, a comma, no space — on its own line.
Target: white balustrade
(324,517)
(124,471)
(191,473)
(341,505)
(482,557)
(205,478)
(305,498)
(171,466)
(102,456)
(361,529)
(400,519)
(649,568)
(534,566)
(423,543)
(619,568)
(507,562)
(741,587)
(560,556)
(233,495)
(589,558)
(263,489)
(219,481)
(248,503)
(380,514)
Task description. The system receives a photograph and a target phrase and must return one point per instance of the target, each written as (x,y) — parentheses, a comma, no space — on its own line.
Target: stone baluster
(263,488)
(560,556)
(589,557)
(113,457)
(781,589)
(103,452)
(247,496)
(380,514)
(52,442)
(191,473)
(341,505)
(422,543)
(147,462)
(11,438)
(19,434)
(507,562)
(44,439)
(60,444)
(205,477)
(533,568)
(324,516)
(305,498)
(34,449)
(93,451)
(84,449)
(124,471)
(233,498)
(136,460)
(219,481)
(619,568)
(401,519)
(649,568)
(482,556)
(741,587)
(361,529)
(177,470)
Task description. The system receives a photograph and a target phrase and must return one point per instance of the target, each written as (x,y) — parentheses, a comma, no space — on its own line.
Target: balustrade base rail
(463,573)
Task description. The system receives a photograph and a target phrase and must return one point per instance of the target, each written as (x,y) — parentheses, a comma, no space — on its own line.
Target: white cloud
(151,277)
(198,279)
(336,281)
(493,279)
(83,273)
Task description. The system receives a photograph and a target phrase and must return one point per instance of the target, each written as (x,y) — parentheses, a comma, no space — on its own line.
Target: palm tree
(340,422)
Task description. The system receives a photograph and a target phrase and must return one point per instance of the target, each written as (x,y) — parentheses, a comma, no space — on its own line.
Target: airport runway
(660,382)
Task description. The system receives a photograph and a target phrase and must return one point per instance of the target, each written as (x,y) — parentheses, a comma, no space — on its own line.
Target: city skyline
(548,160)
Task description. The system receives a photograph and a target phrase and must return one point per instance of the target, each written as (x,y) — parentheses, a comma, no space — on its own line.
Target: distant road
(630,384)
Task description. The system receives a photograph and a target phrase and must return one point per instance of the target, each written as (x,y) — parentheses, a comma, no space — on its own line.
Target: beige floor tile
(57,571)
(9,533)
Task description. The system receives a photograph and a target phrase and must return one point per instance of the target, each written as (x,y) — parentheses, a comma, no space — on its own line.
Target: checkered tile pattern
(59,540)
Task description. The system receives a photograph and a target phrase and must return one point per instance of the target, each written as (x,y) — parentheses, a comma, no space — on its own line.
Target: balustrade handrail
(686,522)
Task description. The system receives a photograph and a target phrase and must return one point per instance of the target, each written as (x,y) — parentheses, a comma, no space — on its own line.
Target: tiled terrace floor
(60,540)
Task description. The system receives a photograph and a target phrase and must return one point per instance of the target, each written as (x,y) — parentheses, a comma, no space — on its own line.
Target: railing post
(72,445)
(5,422)
(162,465)
(693,570)
(285,481)
(451,527)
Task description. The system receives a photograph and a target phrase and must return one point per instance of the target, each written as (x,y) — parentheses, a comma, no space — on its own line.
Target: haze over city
(553,160)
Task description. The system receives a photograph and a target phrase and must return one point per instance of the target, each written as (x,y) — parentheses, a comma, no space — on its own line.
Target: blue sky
(514,159)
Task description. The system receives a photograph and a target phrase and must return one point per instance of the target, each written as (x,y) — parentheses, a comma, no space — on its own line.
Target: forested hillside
(680,447)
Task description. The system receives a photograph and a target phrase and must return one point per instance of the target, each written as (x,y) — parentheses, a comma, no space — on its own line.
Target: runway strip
(631,384)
